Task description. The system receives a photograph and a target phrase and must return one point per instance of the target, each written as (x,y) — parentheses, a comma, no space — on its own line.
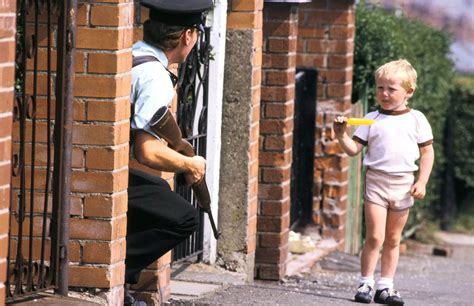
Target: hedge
(462,109)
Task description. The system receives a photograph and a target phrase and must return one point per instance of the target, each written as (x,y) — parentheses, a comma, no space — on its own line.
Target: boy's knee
(391,242)
(374,241)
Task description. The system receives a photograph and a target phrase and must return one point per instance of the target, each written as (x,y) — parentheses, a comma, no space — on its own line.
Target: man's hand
(418,190)
(340,126)
(196,169)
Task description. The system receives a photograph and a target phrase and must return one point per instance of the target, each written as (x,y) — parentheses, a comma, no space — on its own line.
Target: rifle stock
(165,126)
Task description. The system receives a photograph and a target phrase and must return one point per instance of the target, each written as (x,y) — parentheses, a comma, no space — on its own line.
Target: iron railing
(37,253)
(193,99)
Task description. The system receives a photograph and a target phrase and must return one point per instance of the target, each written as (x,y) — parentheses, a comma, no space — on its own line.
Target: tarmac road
(421,279)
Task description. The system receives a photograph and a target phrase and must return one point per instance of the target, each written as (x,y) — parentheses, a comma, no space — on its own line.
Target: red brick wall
(280,29)
(326,42)
(7,77)
(100,140)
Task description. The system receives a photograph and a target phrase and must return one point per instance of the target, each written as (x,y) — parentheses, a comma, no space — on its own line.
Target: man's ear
(188,36)
(410,92)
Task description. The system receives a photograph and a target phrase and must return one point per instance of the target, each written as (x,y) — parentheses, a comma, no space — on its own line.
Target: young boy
(398,137)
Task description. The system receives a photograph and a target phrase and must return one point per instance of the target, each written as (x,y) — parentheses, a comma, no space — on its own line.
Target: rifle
(165,126)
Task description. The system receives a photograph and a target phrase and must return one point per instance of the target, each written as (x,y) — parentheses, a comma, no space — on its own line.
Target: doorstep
(300,263)
(192,281)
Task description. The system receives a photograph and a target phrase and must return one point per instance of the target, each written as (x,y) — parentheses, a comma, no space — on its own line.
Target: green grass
(464,222)
(425,233)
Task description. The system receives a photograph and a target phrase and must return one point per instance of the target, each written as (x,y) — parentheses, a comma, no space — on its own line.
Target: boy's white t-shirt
(393,141)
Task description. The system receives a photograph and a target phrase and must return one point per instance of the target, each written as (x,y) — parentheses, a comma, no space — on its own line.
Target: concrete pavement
(422,279)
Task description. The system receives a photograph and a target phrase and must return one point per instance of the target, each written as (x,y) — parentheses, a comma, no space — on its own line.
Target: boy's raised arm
(349,146)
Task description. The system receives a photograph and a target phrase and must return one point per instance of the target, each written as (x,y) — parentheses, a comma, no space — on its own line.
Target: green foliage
(383,37)
(462,110)
(464,222)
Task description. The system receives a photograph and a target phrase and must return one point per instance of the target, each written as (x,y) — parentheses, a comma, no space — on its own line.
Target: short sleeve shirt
(393,141)
(152,87)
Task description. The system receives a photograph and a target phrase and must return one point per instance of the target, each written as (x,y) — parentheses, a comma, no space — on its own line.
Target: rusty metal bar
(32,115)
(63,137)
(21,198)
(42,267)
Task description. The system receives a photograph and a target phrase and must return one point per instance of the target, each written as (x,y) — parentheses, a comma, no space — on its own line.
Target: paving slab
(455,239)
(300,263)
(192,289)
(55,300)
(203,273)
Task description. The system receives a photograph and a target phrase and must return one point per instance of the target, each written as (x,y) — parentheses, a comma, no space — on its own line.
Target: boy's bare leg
(375,218)
(396,221)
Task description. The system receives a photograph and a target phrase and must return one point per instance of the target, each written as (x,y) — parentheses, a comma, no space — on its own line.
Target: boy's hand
(418,190)
(340,126)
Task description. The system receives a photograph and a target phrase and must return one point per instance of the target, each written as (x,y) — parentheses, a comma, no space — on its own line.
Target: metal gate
(302,168)
(193,99)
(41,155)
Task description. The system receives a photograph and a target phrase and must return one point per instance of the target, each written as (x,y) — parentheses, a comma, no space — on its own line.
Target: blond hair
(401,69)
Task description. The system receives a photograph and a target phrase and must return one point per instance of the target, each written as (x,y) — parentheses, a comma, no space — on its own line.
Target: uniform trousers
(157,220)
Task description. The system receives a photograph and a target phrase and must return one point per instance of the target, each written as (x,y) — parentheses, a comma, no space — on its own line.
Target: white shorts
(389,190)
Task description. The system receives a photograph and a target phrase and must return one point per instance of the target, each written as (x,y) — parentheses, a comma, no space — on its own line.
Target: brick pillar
(326,42)
(280,28)
(240,132)
(100,142)
(7,79)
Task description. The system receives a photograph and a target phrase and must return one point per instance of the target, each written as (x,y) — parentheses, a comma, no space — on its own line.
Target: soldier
(158,218)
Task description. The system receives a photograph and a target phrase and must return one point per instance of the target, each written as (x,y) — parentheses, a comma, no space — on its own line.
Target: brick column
(100,141)
(7,79)
(240,132)
(326,42)
(280,28)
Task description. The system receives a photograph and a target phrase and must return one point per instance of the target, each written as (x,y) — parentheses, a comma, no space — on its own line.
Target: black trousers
(157,220)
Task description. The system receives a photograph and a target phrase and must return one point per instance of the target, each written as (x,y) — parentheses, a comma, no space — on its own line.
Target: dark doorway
(302,169)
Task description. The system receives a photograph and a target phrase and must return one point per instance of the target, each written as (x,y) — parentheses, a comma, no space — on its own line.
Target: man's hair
(401,69)
(162,36)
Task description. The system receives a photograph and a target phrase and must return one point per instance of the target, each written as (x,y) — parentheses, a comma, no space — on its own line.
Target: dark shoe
(129,300)
(365,293)
(388,296)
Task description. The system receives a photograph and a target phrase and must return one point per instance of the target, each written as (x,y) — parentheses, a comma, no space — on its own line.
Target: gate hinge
(70,41)
(62,252)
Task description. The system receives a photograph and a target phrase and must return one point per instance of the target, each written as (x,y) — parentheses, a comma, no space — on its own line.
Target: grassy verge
(464,222)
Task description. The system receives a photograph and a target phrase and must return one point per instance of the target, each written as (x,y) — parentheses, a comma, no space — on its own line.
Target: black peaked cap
(186,13)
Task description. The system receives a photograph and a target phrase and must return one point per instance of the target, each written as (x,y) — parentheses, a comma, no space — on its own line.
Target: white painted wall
(218,20)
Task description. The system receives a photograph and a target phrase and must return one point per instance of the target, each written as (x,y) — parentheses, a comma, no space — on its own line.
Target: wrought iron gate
(37,253)
(302,168)
(192,104)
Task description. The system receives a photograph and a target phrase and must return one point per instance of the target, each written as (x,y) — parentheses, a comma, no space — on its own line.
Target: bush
(462,109)
(383,37)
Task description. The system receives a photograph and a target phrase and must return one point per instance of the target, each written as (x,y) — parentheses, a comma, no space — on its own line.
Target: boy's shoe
(364,294)
(388,296)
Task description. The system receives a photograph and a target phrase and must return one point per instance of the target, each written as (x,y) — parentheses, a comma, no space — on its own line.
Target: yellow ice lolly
(360,121)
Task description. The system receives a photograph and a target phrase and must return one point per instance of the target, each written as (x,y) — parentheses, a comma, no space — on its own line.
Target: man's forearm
(157,155)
